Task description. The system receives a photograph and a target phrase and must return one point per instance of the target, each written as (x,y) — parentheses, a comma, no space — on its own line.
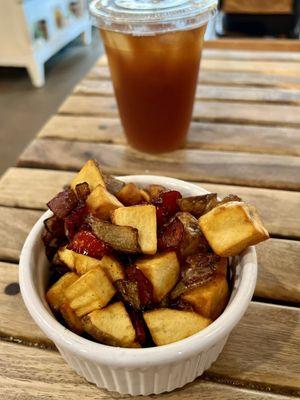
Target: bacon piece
(166,205)
(73,222)
(145,287)
(85,242)
(63,203)
(55,226)
(82,191)
(171,235)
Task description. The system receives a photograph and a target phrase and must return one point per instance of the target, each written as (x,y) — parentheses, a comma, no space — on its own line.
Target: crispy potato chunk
(82,263)
(91,291)
(145,195)
(73,322)
(209,299)
(155,190)
(143,218)
(55,296)
(162,270)
(232,227)
(129,195)
(111,325)
(89,173)
(101,203)
(168,326)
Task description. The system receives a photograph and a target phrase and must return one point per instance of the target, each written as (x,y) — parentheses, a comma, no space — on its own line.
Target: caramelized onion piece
(198,205)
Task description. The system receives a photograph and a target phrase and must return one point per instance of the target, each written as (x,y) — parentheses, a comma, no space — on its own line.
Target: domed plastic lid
(150,17)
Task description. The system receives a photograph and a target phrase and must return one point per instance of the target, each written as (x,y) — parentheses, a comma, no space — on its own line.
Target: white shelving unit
(32,31)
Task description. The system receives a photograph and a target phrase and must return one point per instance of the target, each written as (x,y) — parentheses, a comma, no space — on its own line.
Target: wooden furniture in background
(257,6)
(244,139)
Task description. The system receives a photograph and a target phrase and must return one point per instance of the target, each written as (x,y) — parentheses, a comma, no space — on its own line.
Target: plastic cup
(154,50)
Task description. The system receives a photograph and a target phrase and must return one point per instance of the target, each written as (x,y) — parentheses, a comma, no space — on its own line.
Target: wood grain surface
(207,92)
(202,135)
(15,225)
(25,377)
(256,44)
(229,78)
(257,6)
(272,171)
(33,188)
(212,111)
(15,321)
(246,54)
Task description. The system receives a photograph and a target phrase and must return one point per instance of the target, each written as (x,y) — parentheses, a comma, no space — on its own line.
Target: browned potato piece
(101,203)
(143,218)
(155,190)
(210,299)
(232,227)
(91,291)
(162,270)
(168,326)
(122,238)
(55,296)
(129,195)
(111,325)
(198,205)
(73,322)
(113,185)
(82,263)
(145,195)
(89,173)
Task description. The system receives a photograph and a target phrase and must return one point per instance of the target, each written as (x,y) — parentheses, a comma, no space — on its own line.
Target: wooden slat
(267,340)
(14,226)
(15,321)
(245,54)
(254,44)
(274,280)
(229,78)
(280,172)
(29,373)
(206,92)
(202,135)
(212,111)
(257,6)
(278,270)
(33,188)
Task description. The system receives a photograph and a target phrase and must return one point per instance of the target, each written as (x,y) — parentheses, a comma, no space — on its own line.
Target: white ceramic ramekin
(135,371)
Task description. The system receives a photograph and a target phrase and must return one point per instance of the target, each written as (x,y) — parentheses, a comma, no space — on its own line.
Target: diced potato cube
(232,227)
(73,322)
(210,299)
(91,291)
(168,326)
(143,218)
(162,270)
(129,195)
(55,296)
(89,173)
(111,325)
(145,195)
(82,263)
(101,203)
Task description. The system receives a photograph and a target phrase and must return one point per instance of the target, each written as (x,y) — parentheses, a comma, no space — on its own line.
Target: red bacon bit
(82,191)
(171,235)
(55,226)
(139,325)
(63,203)
(85,242)
(144,286)
(73,222)
(166,205)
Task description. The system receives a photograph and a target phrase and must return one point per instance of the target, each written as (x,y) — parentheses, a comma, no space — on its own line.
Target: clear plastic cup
(154,50)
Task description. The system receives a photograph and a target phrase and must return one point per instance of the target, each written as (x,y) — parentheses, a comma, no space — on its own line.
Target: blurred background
(46,48)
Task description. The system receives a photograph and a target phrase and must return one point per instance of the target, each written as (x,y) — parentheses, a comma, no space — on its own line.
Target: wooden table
(244,139)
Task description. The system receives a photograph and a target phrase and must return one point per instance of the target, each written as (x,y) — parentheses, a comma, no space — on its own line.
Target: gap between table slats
(202,135)
(263,170)
(254,353)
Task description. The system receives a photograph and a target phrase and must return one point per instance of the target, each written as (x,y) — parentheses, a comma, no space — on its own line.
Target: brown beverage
(155,79)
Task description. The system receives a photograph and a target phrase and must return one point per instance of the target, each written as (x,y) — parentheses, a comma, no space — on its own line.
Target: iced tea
(155,78)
